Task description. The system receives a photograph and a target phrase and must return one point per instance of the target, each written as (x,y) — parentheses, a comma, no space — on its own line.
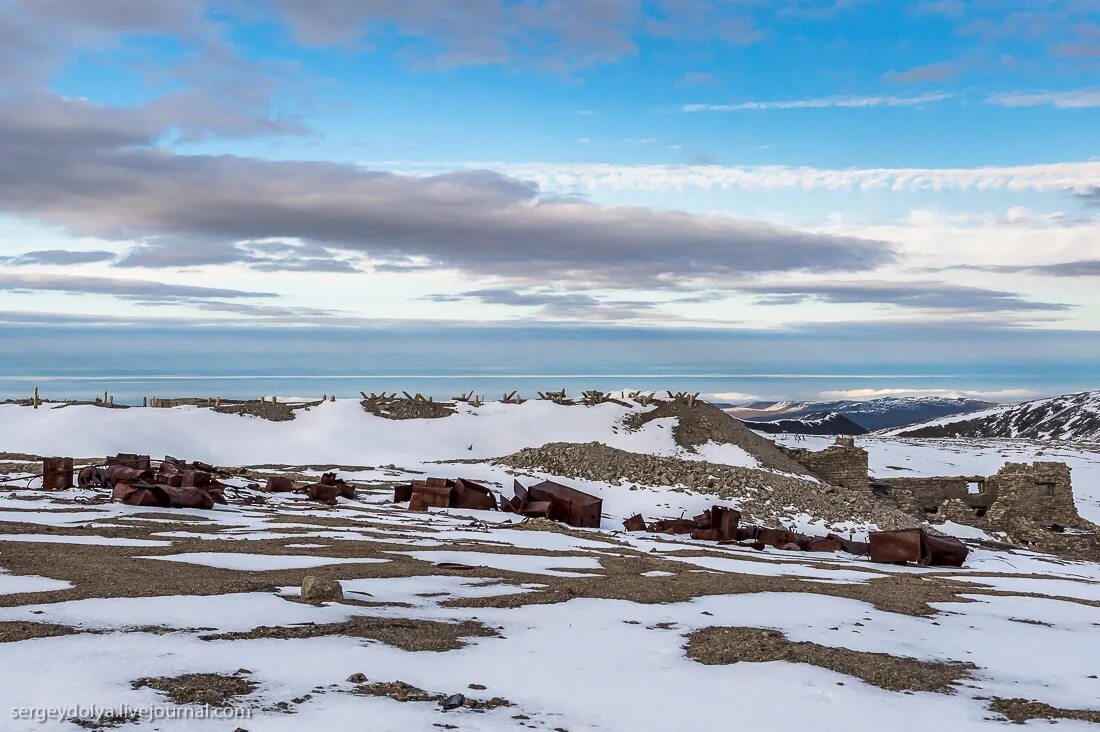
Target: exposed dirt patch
(716,646)
(405,633)
(216,690)
(1021,711)
(404,692)
(705,422)
(16,630)
(272,411)
(394,408)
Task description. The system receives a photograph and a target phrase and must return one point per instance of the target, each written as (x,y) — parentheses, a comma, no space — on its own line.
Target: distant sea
(131,388)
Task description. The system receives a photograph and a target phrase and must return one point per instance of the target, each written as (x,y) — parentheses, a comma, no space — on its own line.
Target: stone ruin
(842,464)
(1031,504)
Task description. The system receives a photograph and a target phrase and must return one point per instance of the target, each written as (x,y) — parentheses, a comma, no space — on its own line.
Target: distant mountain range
(871,415)
(1068,417)
(829,423)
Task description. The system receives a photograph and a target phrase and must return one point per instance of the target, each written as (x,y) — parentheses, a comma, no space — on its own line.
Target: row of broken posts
(173,483)
(108,400)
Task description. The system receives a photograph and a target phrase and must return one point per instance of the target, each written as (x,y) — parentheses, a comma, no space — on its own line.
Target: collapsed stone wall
(1041,493)
(842,465)
(927,495)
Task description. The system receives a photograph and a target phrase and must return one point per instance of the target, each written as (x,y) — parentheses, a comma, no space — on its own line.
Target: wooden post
(217,402)
(104,396)
(274,399)
(111,401)
(145,401)
(35,400)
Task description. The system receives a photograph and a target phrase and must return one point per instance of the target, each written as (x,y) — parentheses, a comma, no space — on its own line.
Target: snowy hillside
(829,423)
(872,414)
(339,432)
(1068,417)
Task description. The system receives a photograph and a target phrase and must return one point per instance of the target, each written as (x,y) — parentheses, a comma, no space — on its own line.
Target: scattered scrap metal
(721,524)
(445,493)
(543,500)
(556,502)
(174,484)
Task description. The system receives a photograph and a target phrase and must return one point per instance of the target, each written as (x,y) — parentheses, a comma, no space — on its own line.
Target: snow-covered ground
(583,630)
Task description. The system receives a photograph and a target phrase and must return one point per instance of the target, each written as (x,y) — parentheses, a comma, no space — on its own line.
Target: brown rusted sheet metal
(280,484)
(820,544)
(850,546)
(568,505)
(188,497)
(945,551)
(145,494)
(402,493)
(889,547)
(195,479)
(775,537)
(116,473)
(130,460)
(57,473)
(468,494)
(429,496)
(723,521)
(536,509)
(673,526)
(634,523)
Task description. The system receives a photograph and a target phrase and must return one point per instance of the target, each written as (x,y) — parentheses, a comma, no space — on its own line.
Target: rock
(357,678)
(316,590)
(454,701)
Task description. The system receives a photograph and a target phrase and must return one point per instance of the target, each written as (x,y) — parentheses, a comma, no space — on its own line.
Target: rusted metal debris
(720,524)
(174,484)
(57,473)
(556,502)
(445,493)
(329,488)
(917,545)
(280,484)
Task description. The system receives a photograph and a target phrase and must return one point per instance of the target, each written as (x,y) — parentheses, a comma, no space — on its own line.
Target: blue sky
(766,174)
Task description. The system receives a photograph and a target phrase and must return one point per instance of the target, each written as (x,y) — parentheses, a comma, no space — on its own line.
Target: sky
(603,186)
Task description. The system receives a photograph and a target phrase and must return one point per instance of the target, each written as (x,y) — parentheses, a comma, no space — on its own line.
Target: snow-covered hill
(829,423)
(1067,417)
(872,415)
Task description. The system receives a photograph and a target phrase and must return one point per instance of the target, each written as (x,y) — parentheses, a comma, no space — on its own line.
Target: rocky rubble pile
(764,496)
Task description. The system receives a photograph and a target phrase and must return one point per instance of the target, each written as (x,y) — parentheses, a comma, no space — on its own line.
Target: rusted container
(468,494)
(723,521)
(942,551)
(57,473)
(429,496)
(279,484)
(568,505)
(889,547)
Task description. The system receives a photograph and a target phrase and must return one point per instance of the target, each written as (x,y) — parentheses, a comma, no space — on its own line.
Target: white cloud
(1080,177)
(732,396)
(865,394)
(1068,99)
(822,103)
